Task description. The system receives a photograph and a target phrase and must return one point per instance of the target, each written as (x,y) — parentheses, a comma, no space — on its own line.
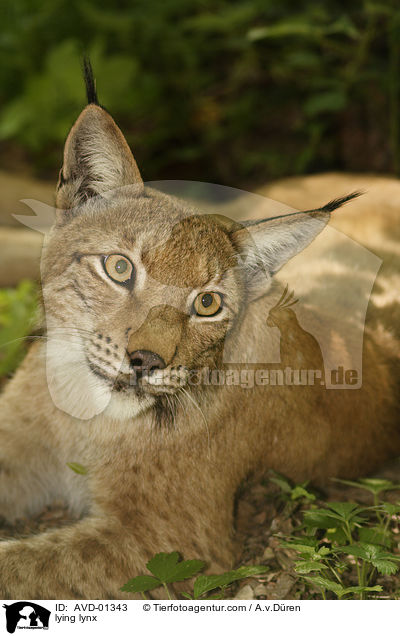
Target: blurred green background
(234,92)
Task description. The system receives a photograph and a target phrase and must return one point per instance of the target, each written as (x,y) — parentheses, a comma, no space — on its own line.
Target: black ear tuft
(90,82)
(337,203)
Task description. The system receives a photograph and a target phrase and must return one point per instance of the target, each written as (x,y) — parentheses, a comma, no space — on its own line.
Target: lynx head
(140,289)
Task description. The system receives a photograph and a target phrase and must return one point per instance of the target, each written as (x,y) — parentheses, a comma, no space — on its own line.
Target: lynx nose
(143,360)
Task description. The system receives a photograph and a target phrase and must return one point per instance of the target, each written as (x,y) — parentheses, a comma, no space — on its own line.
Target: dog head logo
(26,615)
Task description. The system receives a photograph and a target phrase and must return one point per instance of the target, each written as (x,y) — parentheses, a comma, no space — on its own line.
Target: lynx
(146,301)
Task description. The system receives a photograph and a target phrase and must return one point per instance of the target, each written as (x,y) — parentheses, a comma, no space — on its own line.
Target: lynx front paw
(90,559)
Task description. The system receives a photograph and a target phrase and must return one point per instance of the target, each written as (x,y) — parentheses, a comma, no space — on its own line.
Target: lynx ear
(265,246)
(96,159)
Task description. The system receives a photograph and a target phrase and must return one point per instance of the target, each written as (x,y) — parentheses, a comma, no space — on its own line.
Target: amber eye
(119,268)
(207,304)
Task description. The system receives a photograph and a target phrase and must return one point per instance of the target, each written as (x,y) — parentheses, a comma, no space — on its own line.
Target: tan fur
(159,483)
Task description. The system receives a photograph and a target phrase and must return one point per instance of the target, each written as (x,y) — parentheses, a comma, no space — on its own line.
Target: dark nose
(144,360)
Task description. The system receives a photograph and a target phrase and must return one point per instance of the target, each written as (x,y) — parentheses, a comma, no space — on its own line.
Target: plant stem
(335,574)
(373,570)
(378,514)
(363,579)
(385,529)
(348,532)
(167,591)
(350,538)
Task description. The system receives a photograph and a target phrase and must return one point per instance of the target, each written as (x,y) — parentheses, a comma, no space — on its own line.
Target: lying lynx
(144,297)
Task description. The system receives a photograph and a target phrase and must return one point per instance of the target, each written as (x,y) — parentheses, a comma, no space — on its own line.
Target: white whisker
(202,414)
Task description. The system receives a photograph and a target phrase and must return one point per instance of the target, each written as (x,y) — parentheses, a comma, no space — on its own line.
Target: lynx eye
(119,268)
(207,304)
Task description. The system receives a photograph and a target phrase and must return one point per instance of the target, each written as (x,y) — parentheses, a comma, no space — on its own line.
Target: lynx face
(140,290)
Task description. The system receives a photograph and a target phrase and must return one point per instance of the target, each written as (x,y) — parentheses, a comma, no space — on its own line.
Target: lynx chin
(142,292)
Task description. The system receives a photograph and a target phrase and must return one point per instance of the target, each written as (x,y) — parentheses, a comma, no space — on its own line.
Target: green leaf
(77,468)
(304,567)
(281,481)
(323,551)
(344,509)
(167,568)
(359,588)
(390,509)
(163,564)
(141,584)
(185,570)
(299,492)
(375,535)
(204,584)
(385,566)
(321,519)
(378,485)
(304,28)
(324,583)
(336,588)
(337,535)
(372,485)
(356,551)
(326,102)
(18,309)
(311,550)
(335,515)
(382,560)
(303,548)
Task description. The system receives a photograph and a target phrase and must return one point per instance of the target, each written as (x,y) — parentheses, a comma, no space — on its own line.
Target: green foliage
(343,540)
(336,515)
(372,485)
(291,492)
(229,91)
(167,568)
(17,315)
(77,468)
(339,590)
(205,584)
(141,584)
(384,562)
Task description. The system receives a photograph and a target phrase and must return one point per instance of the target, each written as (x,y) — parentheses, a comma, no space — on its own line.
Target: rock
(275,525)
(268,554)
(280,588)
(284,561)
(246,593)
(260,590)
